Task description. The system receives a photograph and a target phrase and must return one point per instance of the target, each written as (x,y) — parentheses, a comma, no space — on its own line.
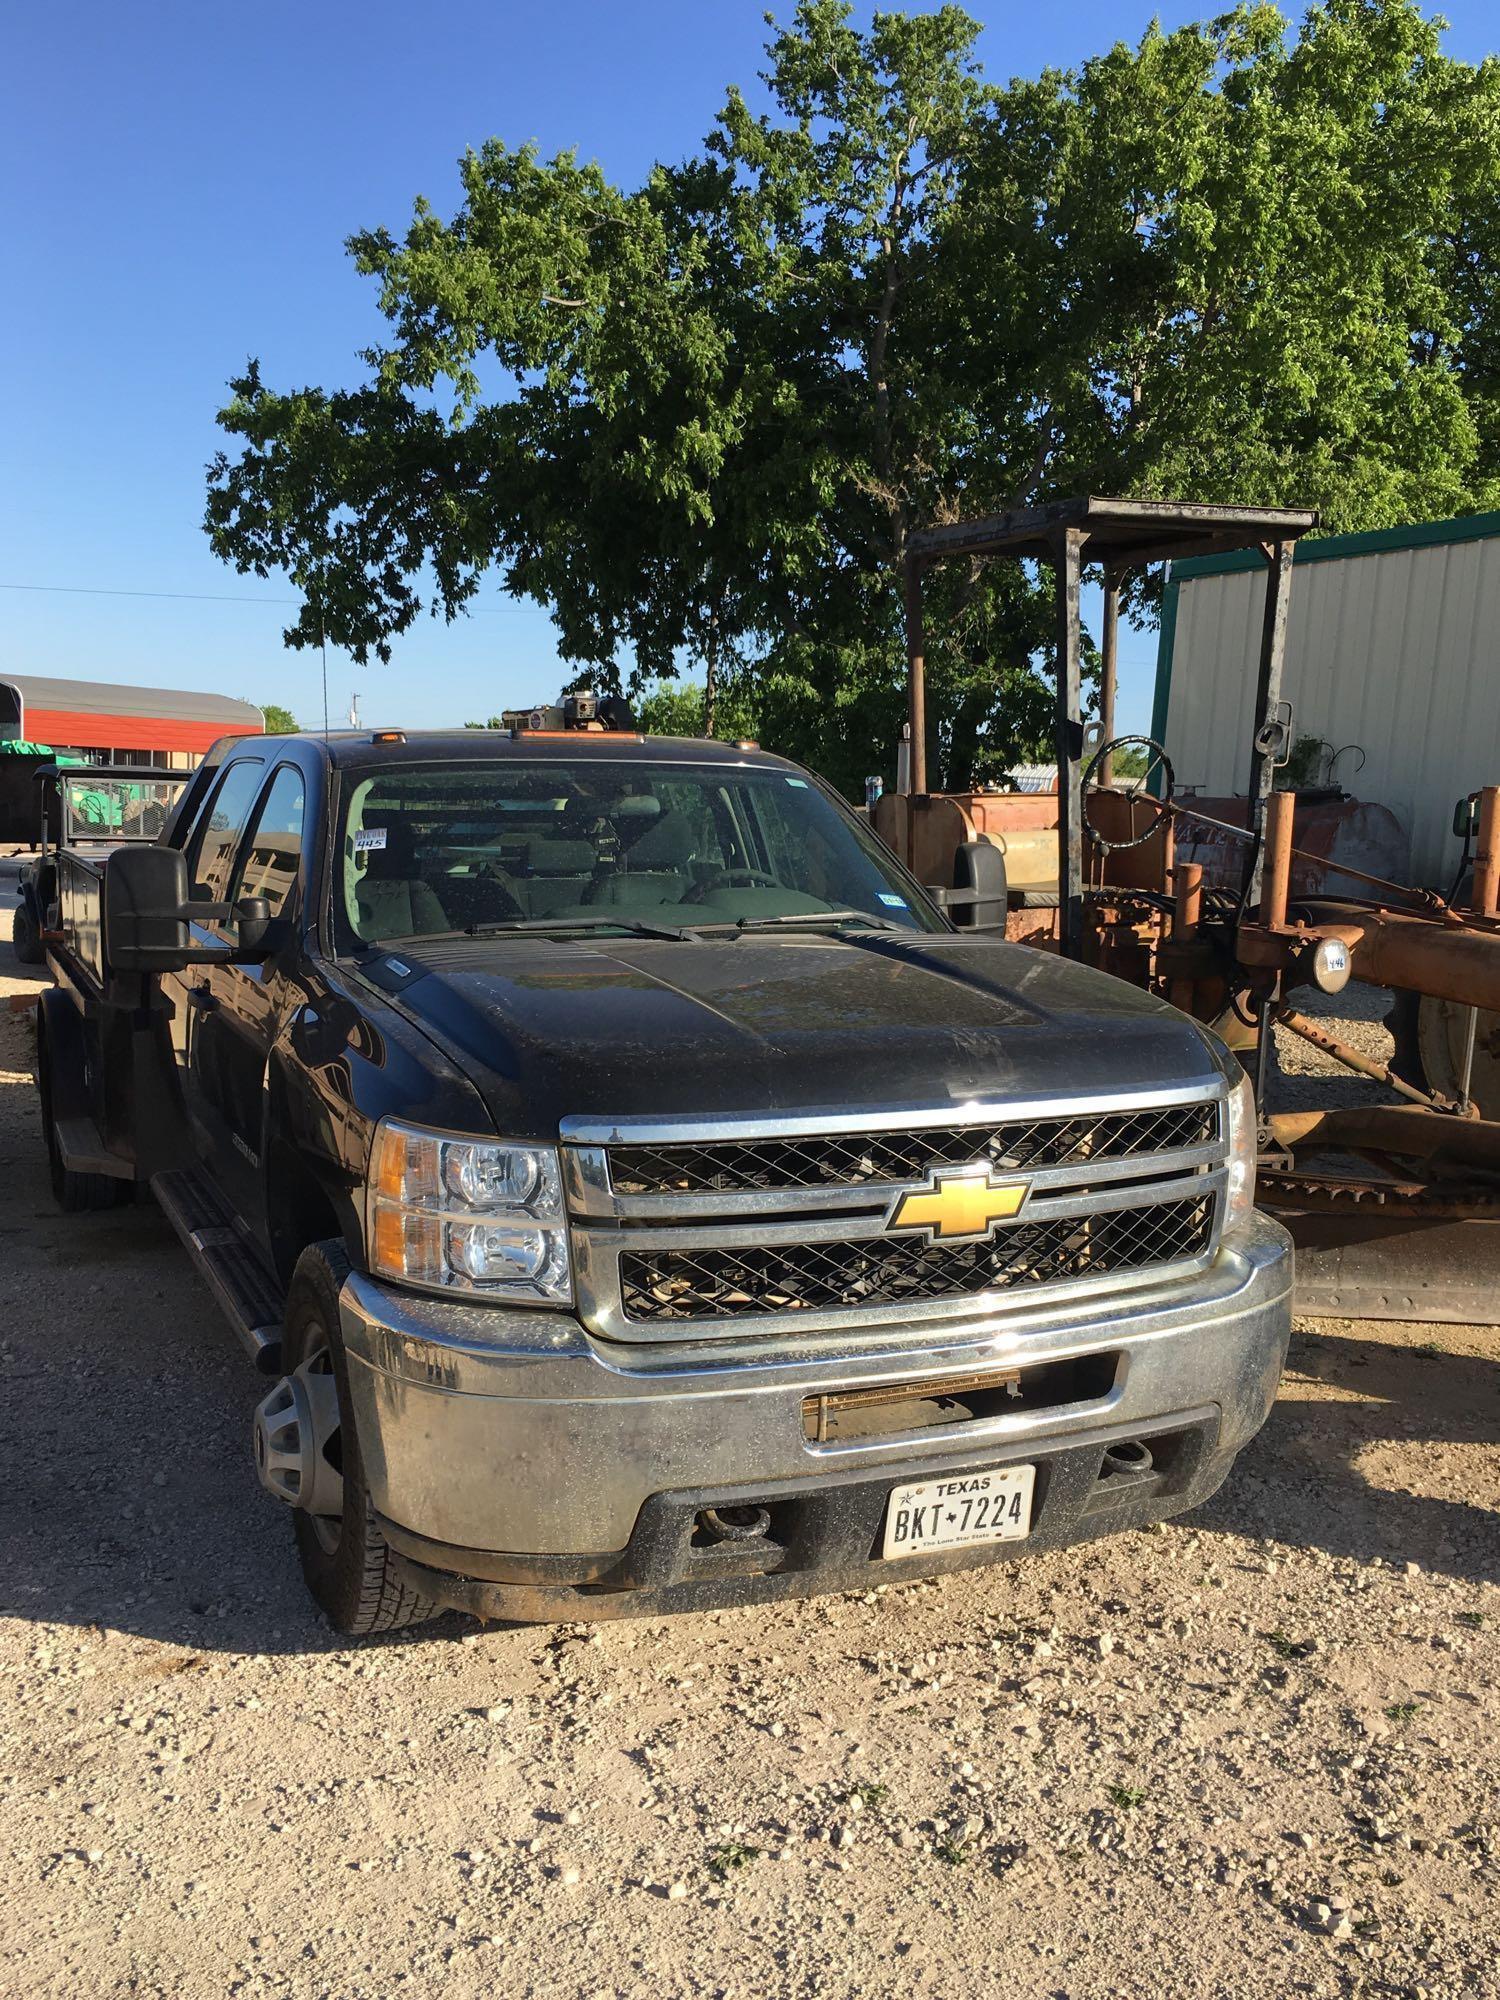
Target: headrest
(560,857)
(644,806)
(669,843)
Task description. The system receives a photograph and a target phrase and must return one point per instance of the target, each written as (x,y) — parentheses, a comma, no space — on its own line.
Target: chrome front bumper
(485,1430)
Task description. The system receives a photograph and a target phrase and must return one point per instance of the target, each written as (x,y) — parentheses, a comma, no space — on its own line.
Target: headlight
(1240,1198)
(1331,965)
(469,1215)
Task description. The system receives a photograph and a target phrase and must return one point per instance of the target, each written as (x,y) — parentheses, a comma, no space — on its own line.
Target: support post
(1187,891)
(1268,694)
(1486,890)
(1068,562)
(1276,879)
(916,677)
(1109,668)
(1187,912)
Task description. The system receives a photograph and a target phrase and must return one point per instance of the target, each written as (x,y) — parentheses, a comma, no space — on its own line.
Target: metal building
(1393,651)
(164,728)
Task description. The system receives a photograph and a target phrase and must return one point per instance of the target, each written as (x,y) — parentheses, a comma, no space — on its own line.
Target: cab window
(271,853)
(218,832)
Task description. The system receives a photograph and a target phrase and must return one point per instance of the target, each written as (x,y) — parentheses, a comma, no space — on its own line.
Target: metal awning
(107,715)
(1116,532)
(116,698)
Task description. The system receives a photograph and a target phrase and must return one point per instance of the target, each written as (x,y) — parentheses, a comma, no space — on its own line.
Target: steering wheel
(1132,788)
(743,878)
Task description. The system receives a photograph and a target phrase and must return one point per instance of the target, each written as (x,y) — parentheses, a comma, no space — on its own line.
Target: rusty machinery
(1393,1207)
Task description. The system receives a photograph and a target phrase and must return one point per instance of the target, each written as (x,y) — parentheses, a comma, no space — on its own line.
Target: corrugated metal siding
(1396,652)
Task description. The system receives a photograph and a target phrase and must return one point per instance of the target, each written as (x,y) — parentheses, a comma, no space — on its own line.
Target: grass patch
(730,1855)
(1290,1649)
(870,1795)
(1473,1619)
(1126,1797)
(952,1853)
(1403,1711)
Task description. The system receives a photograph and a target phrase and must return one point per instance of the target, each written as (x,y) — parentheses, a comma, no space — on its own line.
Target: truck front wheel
(346,1563)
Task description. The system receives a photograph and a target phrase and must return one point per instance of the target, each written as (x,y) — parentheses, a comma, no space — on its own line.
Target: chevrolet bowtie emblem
(959,1205)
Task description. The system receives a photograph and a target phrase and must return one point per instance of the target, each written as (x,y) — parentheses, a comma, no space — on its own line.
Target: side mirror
(145,900)
(980,894)
(147,911)
(982,886)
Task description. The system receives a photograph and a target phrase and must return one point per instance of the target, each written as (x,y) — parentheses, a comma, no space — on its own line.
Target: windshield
(456,847)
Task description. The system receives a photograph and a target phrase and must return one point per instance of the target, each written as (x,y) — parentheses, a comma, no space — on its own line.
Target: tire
(25,941)
(347,1565)
(1441,1028)
(74,1193)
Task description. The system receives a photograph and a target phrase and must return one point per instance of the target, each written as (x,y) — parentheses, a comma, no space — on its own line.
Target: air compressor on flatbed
(639,1189)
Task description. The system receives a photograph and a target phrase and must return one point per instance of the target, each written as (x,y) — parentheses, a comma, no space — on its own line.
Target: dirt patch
(1250,1753)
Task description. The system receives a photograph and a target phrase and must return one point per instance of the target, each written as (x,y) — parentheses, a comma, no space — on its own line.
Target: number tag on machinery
(958,1511)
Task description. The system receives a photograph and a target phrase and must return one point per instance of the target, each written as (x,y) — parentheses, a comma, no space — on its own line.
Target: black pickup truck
(640,1188)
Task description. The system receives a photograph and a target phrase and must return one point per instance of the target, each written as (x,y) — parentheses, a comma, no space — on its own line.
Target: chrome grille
(856,1159)
(759,1226)
(736,1283)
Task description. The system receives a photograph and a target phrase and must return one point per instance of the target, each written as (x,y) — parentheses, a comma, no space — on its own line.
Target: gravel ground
(1251,1753)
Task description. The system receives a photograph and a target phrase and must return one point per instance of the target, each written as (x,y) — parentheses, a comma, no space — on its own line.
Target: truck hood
(550,1029)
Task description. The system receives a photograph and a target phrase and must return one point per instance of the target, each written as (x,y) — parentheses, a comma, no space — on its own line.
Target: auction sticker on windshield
(953,1513)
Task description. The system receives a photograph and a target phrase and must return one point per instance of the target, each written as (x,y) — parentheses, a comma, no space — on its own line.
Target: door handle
(203,998)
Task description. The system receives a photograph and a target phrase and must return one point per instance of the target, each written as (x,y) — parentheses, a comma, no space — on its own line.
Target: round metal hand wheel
(1134,787)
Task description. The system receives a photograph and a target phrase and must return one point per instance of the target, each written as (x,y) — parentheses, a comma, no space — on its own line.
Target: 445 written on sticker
(955,1512)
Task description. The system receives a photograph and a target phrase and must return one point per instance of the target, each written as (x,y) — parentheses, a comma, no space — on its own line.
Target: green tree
(279,721)
(698,419)
(677,708)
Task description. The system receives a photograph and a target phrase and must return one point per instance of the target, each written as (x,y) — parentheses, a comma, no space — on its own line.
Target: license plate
(957,1512)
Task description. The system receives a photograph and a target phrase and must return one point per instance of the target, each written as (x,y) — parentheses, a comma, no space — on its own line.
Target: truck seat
(393,899)
(558,875)
(656,869)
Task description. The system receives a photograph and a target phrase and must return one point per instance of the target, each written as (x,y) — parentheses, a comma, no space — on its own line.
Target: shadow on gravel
(131,1502)
(132,1505)
(1313,1478)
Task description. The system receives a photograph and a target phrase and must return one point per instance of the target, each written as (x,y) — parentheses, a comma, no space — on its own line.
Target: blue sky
(182,177)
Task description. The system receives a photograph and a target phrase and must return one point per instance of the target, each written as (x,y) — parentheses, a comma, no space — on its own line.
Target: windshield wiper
(840,917)
(632,926)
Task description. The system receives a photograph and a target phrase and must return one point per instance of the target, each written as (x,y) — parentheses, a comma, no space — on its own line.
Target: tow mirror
(147,912)
(979,897)
(145,922)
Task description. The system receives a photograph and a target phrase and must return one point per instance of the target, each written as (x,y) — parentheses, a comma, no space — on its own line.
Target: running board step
(230,1265)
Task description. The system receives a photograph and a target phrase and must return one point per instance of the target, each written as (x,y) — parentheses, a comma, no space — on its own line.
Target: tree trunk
(711,677)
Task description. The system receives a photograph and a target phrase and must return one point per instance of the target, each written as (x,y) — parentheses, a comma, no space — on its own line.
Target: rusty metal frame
(1122,535)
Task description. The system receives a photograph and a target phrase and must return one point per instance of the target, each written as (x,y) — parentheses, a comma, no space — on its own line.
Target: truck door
(210,851)
(251,1004)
